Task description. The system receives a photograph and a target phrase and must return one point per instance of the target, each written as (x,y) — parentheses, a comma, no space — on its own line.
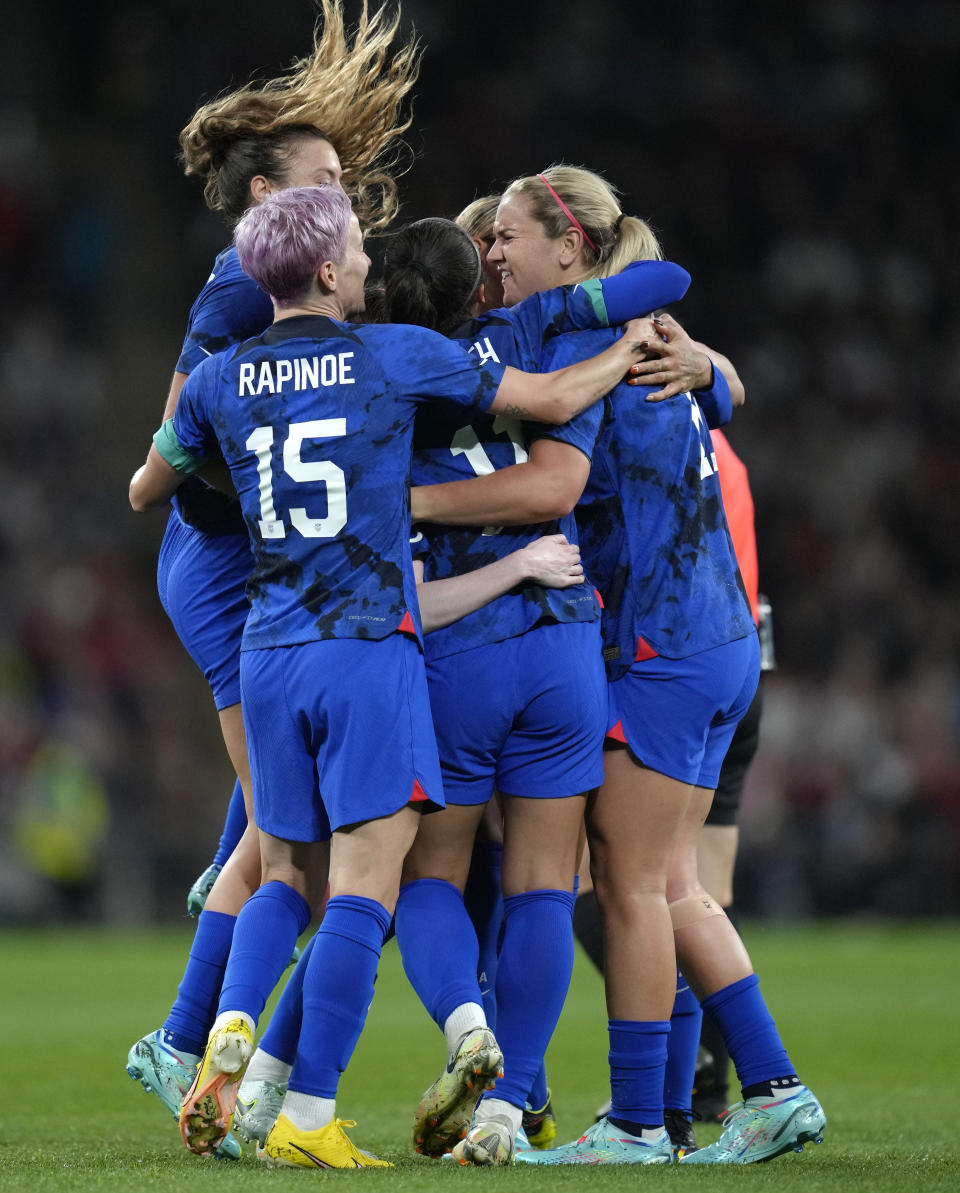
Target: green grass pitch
(869,1013)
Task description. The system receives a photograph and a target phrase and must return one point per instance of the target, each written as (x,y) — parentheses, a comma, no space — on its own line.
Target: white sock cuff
(462,1019)
(306,1112)
(264,1067)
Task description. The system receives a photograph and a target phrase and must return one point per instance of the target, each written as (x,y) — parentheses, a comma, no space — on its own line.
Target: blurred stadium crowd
(802,164)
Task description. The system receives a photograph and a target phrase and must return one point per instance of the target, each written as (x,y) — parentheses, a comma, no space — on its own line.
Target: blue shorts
(525,715)
(338,732)
(678,716)
(202,584)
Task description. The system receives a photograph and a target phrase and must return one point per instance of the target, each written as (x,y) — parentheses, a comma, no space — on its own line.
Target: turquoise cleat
(169,1073)
(197,895)
(604,1143)
(759,1129)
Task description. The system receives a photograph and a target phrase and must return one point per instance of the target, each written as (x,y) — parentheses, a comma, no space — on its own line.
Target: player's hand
(552,561)
(673,362)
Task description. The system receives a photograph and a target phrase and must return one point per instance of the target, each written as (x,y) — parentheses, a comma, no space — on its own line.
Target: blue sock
(683,1045)
(195,1008)
(438,946)
(638,1057)
(233,826)
(337,990)
(283,1031)
(749,1032)
(484,903)
(266,932)
(538,1091)
(536,961)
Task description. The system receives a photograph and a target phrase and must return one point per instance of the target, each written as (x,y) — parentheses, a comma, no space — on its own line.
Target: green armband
(594,291)
(168,445)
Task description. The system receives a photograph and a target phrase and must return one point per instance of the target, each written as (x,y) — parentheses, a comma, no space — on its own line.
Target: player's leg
(536,960)
(716,856)
(432,924)
(378,753)
(437,939)
(551,757)
(779,1112)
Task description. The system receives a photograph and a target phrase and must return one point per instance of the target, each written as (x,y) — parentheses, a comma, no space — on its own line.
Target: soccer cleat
(759,1129)
(709,1098)
(258,1106)
(540,1125)
(330,1147)
(603,1143)
(197,895)
(444,1112)
(680,1129)
(207,1108)
(168,1073)
(489,1142)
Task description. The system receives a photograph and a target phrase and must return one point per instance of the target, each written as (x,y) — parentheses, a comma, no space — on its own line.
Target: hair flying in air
(351,93)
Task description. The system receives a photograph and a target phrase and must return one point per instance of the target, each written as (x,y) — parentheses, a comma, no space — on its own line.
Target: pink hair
(283,241)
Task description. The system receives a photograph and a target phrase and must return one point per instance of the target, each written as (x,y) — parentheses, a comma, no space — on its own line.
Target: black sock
(588,927)
(777,1087)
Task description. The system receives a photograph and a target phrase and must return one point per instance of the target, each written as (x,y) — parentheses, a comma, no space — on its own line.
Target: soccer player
(682,664)
(519,702)
(334,118)
(314,419)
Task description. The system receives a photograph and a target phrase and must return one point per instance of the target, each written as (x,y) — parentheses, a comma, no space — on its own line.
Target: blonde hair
(350,94)
(617,238)
(477,218)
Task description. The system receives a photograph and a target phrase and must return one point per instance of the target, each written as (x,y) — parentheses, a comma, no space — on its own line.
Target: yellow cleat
(330,1147)
(207,1109)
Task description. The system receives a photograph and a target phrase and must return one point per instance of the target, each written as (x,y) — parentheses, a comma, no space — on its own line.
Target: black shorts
(726,801)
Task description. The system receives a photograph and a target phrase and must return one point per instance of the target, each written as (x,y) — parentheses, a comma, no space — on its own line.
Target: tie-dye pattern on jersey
(315,421)
(652,528)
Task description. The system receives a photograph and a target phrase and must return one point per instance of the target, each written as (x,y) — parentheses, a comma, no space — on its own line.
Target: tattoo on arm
(516,411)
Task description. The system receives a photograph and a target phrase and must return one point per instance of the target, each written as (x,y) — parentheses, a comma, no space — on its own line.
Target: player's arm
(166,467)
(556,397)
(547,485)
(176,384)
(550,561)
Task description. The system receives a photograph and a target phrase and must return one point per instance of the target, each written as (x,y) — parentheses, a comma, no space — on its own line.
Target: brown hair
(350,94)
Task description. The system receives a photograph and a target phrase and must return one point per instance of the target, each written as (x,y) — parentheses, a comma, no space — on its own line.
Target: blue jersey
(230,308)
(653,533)
(448,449)
(315,419)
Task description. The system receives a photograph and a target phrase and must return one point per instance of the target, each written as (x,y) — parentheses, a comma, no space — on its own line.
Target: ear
(571,242)
(259,188)
(327,276)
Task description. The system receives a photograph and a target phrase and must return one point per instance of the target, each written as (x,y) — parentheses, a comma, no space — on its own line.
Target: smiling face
(527,259)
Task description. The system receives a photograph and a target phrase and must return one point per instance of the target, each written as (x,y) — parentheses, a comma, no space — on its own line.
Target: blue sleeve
(430,366)
(582,430)
(190,424)
(715,401)
(641,288)
(228,310)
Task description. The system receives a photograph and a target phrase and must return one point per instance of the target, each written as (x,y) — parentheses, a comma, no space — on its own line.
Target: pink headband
(568,213)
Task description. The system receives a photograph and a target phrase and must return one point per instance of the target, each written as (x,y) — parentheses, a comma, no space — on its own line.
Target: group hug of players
(475,598)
